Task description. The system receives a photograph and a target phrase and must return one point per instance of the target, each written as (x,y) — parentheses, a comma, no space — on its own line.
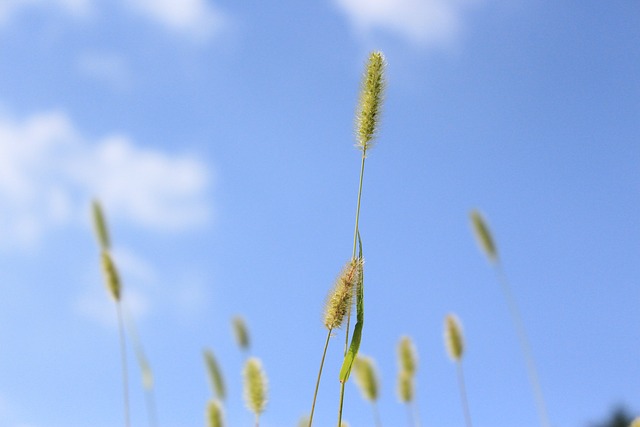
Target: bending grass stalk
(123,356)
(315,393)
(524,345)
(463,394)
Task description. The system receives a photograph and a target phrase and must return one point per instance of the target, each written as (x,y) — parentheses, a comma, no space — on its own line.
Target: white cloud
(423,22)
(107,68)
(75,8)
(49,171)
(198,19)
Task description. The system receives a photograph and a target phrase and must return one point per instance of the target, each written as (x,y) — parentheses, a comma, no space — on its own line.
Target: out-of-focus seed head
(255,386)
(405,387)
(366,377)
(341,296)
(111,277)
(240,332)
(100,225)
(214,414)
(635,423)
(370,105)
(483,235)
(453,338)
(407,356)
(215,374)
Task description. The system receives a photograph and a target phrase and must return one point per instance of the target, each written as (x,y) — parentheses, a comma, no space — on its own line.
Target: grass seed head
(370,105)
(483,235)
(215,374)
(241,332)
(255,386)
(111,276)
(407,356)
(366,377)
(405,387)
(453,338)
(214,415)
(341,296)
(100,225)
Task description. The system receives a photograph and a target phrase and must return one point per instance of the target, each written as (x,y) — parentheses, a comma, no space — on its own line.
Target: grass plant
(454,343)
(488,246)
(408,367)
(255,387)
(367,381)
(241,333)
(214,414)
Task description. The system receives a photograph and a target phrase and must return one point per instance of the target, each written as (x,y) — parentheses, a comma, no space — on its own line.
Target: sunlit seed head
(407,356)
(341,296)
(111,276)
(405,387)
(483,235)
(215,374)
(241,332)
(370,104)
(366,377)
(100,225)
(453,338)
(214,413)
(255,386)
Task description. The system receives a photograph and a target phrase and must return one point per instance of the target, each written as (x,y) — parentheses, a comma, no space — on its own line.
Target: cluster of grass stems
(347,293)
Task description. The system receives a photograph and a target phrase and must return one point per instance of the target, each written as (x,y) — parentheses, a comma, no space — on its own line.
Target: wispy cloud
(108,68)
(422,22)
(49,171)
(197,20)
(75,8)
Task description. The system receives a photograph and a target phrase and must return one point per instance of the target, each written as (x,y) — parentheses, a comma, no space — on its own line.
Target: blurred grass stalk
(487,245)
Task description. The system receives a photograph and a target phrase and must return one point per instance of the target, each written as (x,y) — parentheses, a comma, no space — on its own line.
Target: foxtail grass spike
(341,296)
(405,387)
(111,276)
(453,338)
(483,236)
(241,332)
(215,414)
(255,386)
(100,226)
(215,374)
(366,378)
(407,356)
(370,105)
(304,421)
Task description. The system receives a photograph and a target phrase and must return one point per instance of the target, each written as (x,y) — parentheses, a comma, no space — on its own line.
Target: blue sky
(219,136)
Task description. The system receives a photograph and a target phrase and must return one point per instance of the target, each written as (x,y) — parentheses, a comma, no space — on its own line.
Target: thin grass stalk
(376,414)
(123,356)
(315,393)
(463,394)
(524,345)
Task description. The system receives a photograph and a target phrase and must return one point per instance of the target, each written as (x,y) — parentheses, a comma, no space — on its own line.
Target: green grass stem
(463,394)
(315,393)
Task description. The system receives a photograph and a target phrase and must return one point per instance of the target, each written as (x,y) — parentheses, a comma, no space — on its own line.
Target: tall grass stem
(463,394)
(315,393)
(123,355)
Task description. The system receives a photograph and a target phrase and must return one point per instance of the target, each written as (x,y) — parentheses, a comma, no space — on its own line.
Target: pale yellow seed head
(407,356)
(147,373)
(304,421)
(370,104)
(100,225)
(341,296)
(214,414)
(255,386)
(405,387)
(215,374)
(483,235)
(111,276)
(241,332)
(453,338)
(366,377)
(635,423)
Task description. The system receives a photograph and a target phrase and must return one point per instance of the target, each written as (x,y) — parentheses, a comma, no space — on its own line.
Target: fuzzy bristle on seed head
(215,374)
(240,332)
(341,296)
(635,423)
(483,235)
(255,386)
(111,276)
(370,105)
(453,338)
(405,387)
(366,377)
(100,225)
(214,415)
(407,356)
